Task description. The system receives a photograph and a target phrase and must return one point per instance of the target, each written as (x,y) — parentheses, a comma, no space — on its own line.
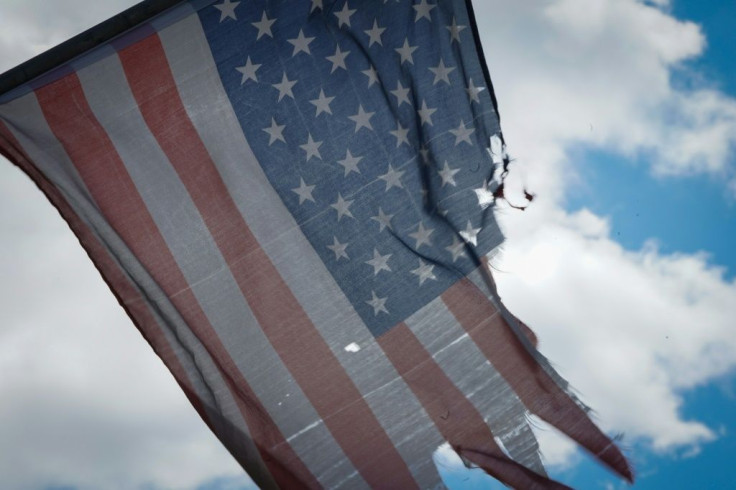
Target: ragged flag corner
(293,200)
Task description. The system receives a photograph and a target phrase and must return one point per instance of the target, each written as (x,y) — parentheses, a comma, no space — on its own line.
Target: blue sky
(683,215)
(627,258)
(717,19)
(709,469)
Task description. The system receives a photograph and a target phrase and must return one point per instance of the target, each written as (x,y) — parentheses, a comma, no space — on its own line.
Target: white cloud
(631,330)
(600,72)
(455,474)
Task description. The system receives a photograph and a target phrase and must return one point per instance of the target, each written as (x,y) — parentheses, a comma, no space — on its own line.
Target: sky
(621,118)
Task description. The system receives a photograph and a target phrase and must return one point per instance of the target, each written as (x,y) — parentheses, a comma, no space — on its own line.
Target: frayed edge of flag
(506,469)
(610,454)
(501,158)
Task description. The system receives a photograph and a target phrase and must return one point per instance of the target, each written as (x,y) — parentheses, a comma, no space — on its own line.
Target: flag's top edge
(483,64)
(83,43)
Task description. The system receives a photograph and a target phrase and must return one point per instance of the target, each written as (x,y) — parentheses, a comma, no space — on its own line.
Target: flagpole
(81,43)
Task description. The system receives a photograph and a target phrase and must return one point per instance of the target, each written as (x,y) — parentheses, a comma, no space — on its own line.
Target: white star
(470,234)
(285,87)
(447,175)
(343,16)
(425,113)
(350,163)
(422,236)
(276,132)
(301,43)
(423,10)
(424,271)
(401,94)
(316,4)
(406,52)
(338,59)
(383,219)
(322,103)
(227,10)
(311,147)
(362,119)
(392,178)
(264,26)
(249,71)
(462,134)
(455,30)
(473,91)
(401,134)
(379,262)
(484,195)
(378,304)
(372,76)
(457,249)
(338,248)
(304,192)
(441,73)
(342,207)
(375,34)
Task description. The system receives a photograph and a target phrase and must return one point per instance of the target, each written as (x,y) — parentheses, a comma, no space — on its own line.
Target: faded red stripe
(73,123)
(536,389)
(298,343)
(457,419)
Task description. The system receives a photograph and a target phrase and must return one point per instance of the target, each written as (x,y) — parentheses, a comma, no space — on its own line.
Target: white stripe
(406,423)
(206,271)
(25,120)
(466,366)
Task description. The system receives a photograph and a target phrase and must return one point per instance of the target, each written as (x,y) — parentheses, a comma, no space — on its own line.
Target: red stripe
(536,389)
(298,343)
(456,418)
(90,149)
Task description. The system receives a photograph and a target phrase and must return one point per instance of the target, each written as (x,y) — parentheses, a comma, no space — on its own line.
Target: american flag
(293,201)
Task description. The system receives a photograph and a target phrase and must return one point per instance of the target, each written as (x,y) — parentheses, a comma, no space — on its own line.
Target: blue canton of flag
(373,121)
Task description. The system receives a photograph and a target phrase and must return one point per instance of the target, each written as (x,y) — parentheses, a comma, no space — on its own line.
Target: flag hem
(82,43)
